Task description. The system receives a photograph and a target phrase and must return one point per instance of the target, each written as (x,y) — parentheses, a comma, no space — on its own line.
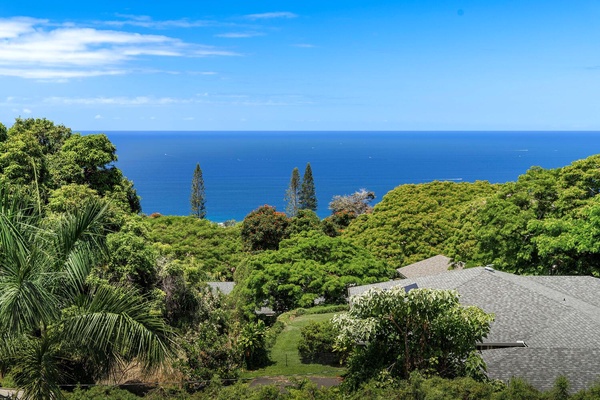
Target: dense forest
(92,289)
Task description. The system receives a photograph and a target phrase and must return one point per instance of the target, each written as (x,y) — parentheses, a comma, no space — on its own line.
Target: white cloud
(98,116)
(202,98)
(304,45)
(26,111)
(145,21)
(14,27)
(238,35)
(56,74)
(119,101)
(272,15)
(33,49)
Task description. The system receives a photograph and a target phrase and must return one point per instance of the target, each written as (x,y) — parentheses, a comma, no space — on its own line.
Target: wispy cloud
(145,21)
(304,45)
(119,101)
(271,15)
(202,98)
(238,35)
(35,49)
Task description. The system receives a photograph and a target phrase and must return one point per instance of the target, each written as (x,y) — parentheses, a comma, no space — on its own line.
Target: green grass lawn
(285,355)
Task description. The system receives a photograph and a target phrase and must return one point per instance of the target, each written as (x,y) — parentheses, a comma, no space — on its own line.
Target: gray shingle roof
(223,287)
(557,317)
(431,266)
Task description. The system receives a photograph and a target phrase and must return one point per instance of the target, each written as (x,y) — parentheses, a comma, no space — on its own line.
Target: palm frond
(85,225)
(117,323)
(37,369)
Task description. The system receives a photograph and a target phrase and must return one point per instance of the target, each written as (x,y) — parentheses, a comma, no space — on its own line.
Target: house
(431,266)
(545,326)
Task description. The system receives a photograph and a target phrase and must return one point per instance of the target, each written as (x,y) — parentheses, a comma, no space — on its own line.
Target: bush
(316,343)
(101,393)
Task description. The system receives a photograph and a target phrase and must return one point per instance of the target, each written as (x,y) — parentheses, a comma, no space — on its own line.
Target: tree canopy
(37,157)
(417,221)
(420,330)
(308,266)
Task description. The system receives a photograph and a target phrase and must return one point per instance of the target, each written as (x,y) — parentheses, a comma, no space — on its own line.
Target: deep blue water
(244,170)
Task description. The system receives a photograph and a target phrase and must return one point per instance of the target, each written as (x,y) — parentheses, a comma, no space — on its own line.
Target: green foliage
(210,349)
(38,157)
(49,136)
(335,224)
(101,393)
(307,266)
(303,221)
(317,343)
(397,332)
(253,344)
(3,132)
(414,222)
(292,194)
(307,198)
(198,196)
(132,260)
(182,302)
(545,223)
(264,228)
(204,249)
(54,324)
(560,391)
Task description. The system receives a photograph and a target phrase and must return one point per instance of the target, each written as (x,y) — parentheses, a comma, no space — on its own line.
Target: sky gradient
(302,65)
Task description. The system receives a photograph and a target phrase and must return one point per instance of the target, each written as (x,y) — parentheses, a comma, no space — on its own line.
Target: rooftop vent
(489,268)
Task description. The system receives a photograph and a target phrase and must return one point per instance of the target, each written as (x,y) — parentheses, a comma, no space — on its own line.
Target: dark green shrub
(316,343)
(101,393)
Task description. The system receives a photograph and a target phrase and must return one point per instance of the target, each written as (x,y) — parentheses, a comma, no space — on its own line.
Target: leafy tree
(55,325)
(22,163)
(292,194)
(264,228)
(335,224)
(307,198)
(87,160)
(69,198)
(357,203)
(307,266)
(304,221)
(422,330)
(132,260)
(203,248)
(197,198)
(3,132)
(50,137)
(414,222)
(545,222)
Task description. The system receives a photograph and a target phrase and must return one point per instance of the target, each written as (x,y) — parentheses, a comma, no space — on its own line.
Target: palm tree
(54,321)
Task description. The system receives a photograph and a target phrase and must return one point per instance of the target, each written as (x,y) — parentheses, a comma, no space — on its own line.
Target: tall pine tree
(197,199)
(292,193)
(307,197)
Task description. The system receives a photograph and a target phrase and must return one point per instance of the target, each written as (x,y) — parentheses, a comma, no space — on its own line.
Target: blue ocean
(244,170)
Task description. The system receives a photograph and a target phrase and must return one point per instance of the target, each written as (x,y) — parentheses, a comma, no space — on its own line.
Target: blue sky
(302,65)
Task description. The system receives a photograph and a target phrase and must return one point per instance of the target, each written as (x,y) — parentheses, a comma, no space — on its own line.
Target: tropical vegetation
(90,288)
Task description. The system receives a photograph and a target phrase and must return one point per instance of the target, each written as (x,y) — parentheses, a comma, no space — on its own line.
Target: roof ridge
(590,310)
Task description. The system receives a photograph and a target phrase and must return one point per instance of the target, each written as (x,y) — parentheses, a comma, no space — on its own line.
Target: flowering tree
(397,332)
